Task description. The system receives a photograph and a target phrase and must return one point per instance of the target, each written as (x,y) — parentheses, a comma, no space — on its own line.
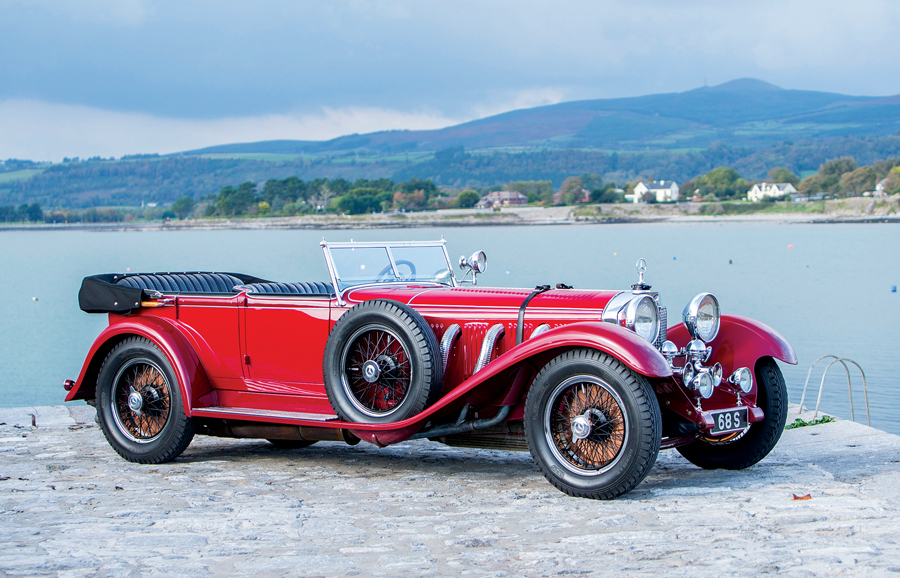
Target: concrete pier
(69,506)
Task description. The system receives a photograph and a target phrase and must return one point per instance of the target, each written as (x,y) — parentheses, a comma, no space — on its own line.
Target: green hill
(745,112)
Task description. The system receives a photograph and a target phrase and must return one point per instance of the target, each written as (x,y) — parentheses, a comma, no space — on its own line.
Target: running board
(261,413)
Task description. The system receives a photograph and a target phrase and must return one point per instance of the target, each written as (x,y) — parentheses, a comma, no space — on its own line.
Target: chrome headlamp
(702,317)
(642,317)
(743,379)
(703,384)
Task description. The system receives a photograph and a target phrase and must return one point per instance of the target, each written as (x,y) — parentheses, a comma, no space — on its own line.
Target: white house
(762,190)
(879,187)
(663,190)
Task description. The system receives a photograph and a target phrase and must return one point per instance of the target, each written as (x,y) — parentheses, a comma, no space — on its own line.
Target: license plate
(728,420)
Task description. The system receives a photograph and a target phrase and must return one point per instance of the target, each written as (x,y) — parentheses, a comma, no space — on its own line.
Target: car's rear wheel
(139,404)
(744,449)
(593,426)
(381,363)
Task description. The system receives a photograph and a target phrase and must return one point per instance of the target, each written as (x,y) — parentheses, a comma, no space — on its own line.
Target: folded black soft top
(120,293)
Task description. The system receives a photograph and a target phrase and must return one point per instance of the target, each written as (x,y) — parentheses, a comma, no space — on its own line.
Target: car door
(284,340)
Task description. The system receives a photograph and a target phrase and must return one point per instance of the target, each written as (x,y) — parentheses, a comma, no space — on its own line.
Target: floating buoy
(893,288)
(507,272)
(729,261)
(790,246)
(614,254)
(128,268)
(35,298)
(673,257)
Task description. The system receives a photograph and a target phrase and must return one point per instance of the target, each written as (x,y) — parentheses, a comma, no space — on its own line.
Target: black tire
(382,363)
(291,444)
(619,411)
(746,449)
(139,404)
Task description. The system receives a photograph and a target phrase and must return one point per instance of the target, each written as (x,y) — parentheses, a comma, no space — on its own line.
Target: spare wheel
(381,363)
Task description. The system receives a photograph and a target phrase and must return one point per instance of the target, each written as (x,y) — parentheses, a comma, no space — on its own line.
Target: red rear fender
(164,334)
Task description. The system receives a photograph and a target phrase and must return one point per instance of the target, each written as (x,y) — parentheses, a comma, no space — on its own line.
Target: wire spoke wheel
(586,426)
(377,371)
(592,425)
(141,400)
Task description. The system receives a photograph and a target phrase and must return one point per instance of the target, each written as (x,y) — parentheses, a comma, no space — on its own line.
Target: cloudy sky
(114,77)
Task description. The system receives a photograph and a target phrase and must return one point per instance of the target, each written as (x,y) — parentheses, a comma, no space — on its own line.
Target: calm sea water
(826,288)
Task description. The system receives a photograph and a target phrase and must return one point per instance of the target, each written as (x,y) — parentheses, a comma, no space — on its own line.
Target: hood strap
(520,327)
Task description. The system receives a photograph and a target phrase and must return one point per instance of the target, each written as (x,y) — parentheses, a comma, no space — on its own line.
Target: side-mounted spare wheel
(744,449)
(593,425)
(139,404)
(382,363)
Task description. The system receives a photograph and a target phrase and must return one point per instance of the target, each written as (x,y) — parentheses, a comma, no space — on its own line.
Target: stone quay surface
(71,507)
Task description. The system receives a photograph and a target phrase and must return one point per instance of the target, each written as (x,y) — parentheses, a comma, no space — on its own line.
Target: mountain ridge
(745,112)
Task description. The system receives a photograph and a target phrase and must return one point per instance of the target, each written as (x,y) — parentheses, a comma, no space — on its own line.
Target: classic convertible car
(394,347)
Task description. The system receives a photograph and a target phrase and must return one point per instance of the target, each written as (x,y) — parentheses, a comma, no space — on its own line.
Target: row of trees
(23,213)
(293,196)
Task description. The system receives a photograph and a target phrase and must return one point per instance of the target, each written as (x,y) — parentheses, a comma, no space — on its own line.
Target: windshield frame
(341,290)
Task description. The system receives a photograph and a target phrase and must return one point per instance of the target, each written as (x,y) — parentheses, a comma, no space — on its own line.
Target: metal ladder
(843,361)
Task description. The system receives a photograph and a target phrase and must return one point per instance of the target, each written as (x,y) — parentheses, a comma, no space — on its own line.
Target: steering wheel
(412,271)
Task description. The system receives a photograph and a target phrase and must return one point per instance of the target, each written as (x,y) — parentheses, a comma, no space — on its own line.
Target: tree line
(293,196)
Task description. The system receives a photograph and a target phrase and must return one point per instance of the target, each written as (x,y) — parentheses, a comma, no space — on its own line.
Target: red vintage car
(394,347)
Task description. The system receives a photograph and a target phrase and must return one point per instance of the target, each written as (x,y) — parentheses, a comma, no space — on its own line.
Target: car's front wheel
(139,404)
(593,426)
(744,449)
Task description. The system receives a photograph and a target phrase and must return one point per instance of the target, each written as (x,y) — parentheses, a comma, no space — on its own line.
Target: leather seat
(183,282)
(273,288)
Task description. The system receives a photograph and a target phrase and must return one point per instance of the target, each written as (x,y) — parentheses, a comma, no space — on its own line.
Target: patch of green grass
(270,157)
(589,211)
(495,214)
(746,208)
(802,423)
(805,207)
(19,175)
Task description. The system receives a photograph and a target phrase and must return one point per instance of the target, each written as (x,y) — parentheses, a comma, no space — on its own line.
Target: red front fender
(192,379)
(621,343)
(741,342)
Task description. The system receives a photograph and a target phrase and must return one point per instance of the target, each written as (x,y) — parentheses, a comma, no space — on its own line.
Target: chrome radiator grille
(663,328)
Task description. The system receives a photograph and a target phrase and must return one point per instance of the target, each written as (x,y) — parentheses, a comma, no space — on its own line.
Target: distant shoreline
(855,210)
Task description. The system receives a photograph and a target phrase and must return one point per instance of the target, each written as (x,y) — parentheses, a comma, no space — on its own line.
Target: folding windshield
(354,264)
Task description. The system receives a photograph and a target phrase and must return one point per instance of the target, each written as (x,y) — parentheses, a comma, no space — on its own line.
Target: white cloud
(45,131)
(521,99)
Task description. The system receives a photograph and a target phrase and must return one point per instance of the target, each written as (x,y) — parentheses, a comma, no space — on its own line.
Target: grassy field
(19,175)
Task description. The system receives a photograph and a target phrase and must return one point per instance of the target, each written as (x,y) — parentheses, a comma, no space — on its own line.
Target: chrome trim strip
(202,411)
(487,346)
(452,333)
(542,328)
